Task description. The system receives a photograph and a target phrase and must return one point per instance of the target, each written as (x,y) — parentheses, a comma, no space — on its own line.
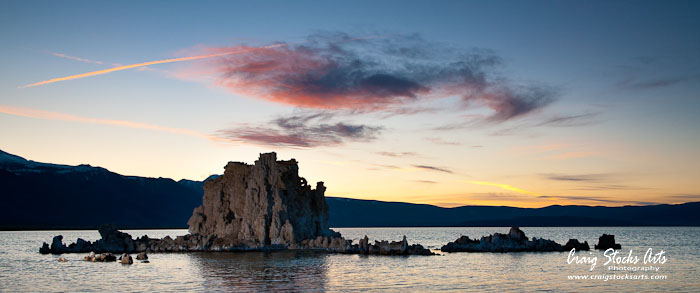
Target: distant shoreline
(82,228)
(43,196)
(371,227)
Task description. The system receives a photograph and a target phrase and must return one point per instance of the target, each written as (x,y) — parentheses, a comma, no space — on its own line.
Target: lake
(22,268)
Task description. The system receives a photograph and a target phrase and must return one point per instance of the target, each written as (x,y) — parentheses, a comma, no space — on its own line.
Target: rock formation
(390,248)
(264,206)
(112,241)
(514,241)
(607,241)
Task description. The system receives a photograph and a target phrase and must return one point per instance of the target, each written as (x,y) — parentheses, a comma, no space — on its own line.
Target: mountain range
(51,196)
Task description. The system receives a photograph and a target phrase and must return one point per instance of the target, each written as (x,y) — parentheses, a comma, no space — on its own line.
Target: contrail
(75,58)
(48,115)
(118,68)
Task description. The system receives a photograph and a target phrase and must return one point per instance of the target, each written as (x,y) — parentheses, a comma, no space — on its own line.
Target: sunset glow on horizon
(469,111)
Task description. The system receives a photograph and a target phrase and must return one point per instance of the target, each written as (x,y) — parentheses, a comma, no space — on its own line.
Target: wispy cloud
(511,102)
(437,140)
(433,168)
(409,169)
(658,82)
(425,181)
(559,197)
(560,120)
(398,154)
(594,182)
(569,120)
(377,167)
(85,60)
(522,126)
(577,177)
(499,196)
(302,130)
(686,197)
(598,187)
(651,72)
(598,199)
(392,111)
(56,116)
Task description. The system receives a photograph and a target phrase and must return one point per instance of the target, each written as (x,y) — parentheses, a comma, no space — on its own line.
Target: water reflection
(262,270)
(22,269)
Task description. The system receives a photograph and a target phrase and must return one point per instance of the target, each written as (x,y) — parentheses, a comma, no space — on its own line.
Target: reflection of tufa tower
(261,205)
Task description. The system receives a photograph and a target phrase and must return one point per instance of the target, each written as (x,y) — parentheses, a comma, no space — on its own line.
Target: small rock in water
(607,241)
(61,259)
(102,257)
(45,249)
(514,241)
(575,244)
(142,256)
(105,257)
(126,259)
(90,257)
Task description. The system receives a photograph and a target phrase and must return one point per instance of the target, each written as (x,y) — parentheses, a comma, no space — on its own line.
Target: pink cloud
(340,72)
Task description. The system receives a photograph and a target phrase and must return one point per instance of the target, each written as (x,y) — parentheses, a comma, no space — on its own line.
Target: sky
(517,103)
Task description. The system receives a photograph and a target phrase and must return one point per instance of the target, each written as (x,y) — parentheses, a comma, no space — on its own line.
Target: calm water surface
(22,268)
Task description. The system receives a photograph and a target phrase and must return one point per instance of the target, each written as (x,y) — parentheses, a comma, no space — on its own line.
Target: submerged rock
(90,257)
(142,256)
(105,257)
(126,259)
(102,257)
(514,241)
(607,241)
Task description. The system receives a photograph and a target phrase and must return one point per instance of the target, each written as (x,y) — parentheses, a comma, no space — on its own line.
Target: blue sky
(623,77)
